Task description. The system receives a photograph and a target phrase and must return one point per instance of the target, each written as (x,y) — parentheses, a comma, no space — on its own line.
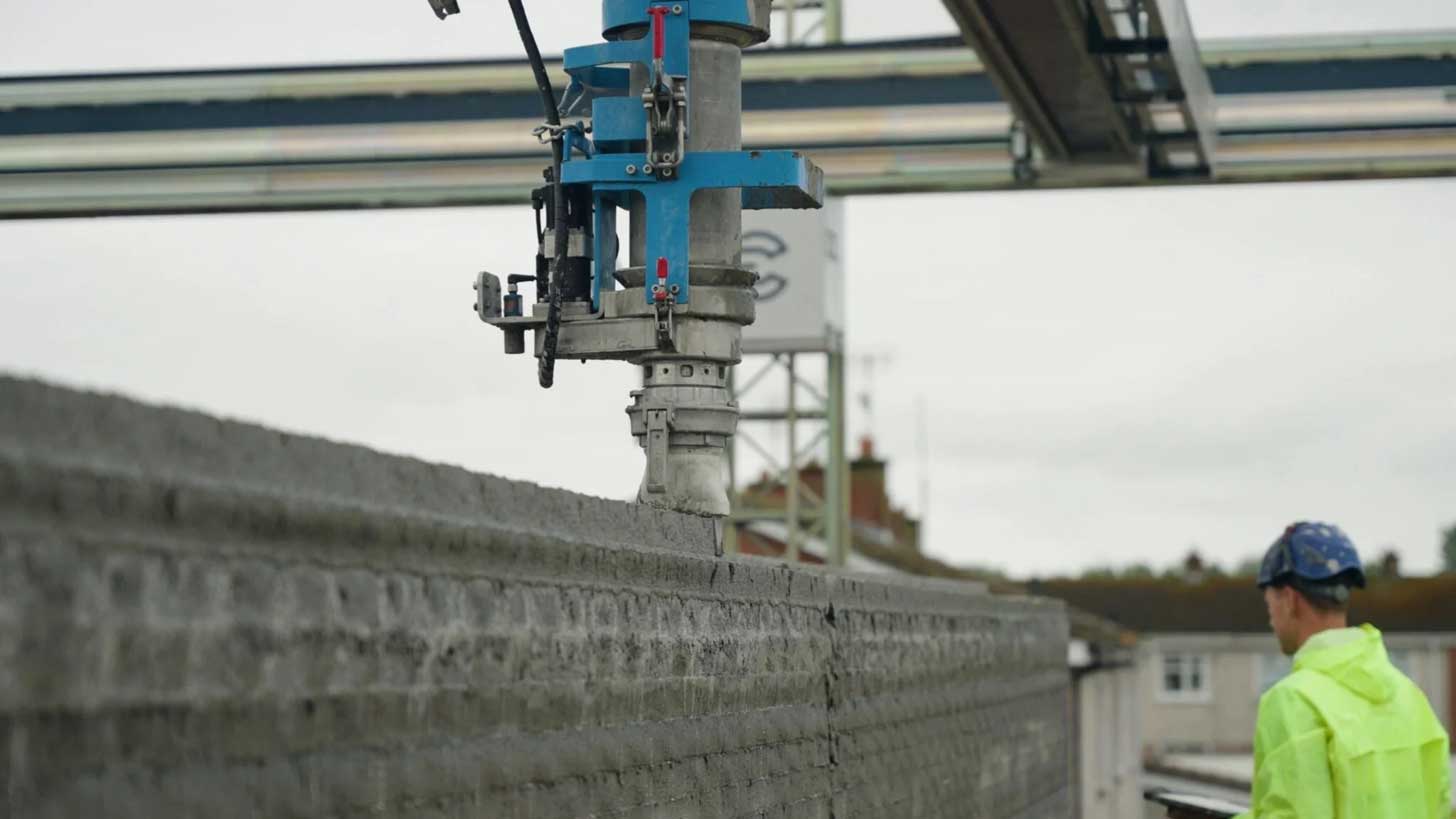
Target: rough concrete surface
(207,618)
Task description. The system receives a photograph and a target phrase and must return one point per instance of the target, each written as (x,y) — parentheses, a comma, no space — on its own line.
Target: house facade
(1200,692)
(1206,655)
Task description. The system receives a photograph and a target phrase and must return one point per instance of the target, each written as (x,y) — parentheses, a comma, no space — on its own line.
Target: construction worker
(1346,735)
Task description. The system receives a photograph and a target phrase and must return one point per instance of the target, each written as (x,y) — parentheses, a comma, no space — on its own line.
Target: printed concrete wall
(201,618)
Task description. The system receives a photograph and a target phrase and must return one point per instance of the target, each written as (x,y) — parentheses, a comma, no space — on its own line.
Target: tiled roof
(1224,604)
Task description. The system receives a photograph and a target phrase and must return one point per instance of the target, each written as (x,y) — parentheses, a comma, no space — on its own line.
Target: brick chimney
(867,501)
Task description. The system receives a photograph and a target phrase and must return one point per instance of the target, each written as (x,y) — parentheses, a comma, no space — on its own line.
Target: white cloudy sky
(1110,375)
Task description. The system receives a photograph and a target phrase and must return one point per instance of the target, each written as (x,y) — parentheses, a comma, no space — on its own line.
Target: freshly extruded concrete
(206,618)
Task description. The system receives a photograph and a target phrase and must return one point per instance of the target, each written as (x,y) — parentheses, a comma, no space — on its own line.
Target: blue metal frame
(674,61)
(620,13)
(769,179)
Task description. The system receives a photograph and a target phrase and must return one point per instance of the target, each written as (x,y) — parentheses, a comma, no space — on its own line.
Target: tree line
(1387,562)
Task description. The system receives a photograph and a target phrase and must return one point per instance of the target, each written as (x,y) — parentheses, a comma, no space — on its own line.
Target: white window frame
(1186,696)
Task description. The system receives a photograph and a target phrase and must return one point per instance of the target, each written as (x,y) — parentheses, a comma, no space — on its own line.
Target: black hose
(546,367)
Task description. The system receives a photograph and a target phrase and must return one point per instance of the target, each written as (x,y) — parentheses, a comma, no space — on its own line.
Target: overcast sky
(1110,376)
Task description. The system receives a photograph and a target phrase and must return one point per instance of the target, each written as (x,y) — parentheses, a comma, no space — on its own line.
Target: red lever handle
(659,31)
(661,289)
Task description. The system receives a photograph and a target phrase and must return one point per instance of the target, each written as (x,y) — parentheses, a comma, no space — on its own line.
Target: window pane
(1172,673)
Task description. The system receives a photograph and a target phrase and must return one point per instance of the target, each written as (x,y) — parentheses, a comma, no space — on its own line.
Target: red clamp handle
(659,31)
(660,292)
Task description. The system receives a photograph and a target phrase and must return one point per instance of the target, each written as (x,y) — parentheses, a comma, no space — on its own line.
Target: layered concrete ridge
(207,618)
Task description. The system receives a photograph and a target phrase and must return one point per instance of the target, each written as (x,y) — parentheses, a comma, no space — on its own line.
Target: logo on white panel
(760,248)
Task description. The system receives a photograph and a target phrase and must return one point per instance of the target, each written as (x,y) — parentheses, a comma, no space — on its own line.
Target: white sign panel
(798,255)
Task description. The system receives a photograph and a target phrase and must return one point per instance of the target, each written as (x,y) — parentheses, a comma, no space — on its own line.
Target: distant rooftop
(1234,605)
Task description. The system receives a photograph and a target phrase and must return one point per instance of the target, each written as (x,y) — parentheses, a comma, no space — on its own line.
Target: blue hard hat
(1317,553)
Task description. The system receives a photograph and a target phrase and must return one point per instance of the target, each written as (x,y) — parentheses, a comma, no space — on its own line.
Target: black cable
(546,367)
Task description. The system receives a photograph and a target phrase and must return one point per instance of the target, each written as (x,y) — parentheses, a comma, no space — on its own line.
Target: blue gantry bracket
(585,63)
(617,14)
(614,164)
(769,179)
(588,65)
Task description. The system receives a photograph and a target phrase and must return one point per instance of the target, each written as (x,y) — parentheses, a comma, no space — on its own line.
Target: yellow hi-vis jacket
(1347,736)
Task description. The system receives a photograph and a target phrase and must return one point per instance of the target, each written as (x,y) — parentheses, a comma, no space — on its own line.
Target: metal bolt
(631,169)
(647,169)
(677,9)
(667,171)
(673,289)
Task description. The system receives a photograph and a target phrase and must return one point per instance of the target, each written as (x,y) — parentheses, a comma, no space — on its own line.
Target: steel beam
(886,118)
(1085,76)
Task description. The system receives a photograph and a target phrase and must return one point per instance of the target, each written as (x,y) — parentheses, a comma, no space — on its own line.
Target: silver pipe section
(684,399)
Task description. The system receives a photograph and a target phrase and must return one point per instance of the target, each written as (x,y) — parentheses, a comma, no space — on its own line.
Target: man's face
(1280,603)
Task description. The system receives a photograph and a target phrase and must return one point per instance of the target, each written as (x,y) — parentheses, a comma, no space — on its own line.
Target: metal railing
(1188,806)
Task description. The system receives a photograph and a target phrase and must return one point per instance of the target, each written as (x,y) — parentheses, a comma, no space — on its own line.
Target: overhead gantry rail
(1095,82)
(886,117)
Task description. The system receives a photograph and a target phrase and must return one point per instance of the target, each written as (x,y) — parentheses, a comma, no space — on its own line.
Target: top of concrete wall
(45,424)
